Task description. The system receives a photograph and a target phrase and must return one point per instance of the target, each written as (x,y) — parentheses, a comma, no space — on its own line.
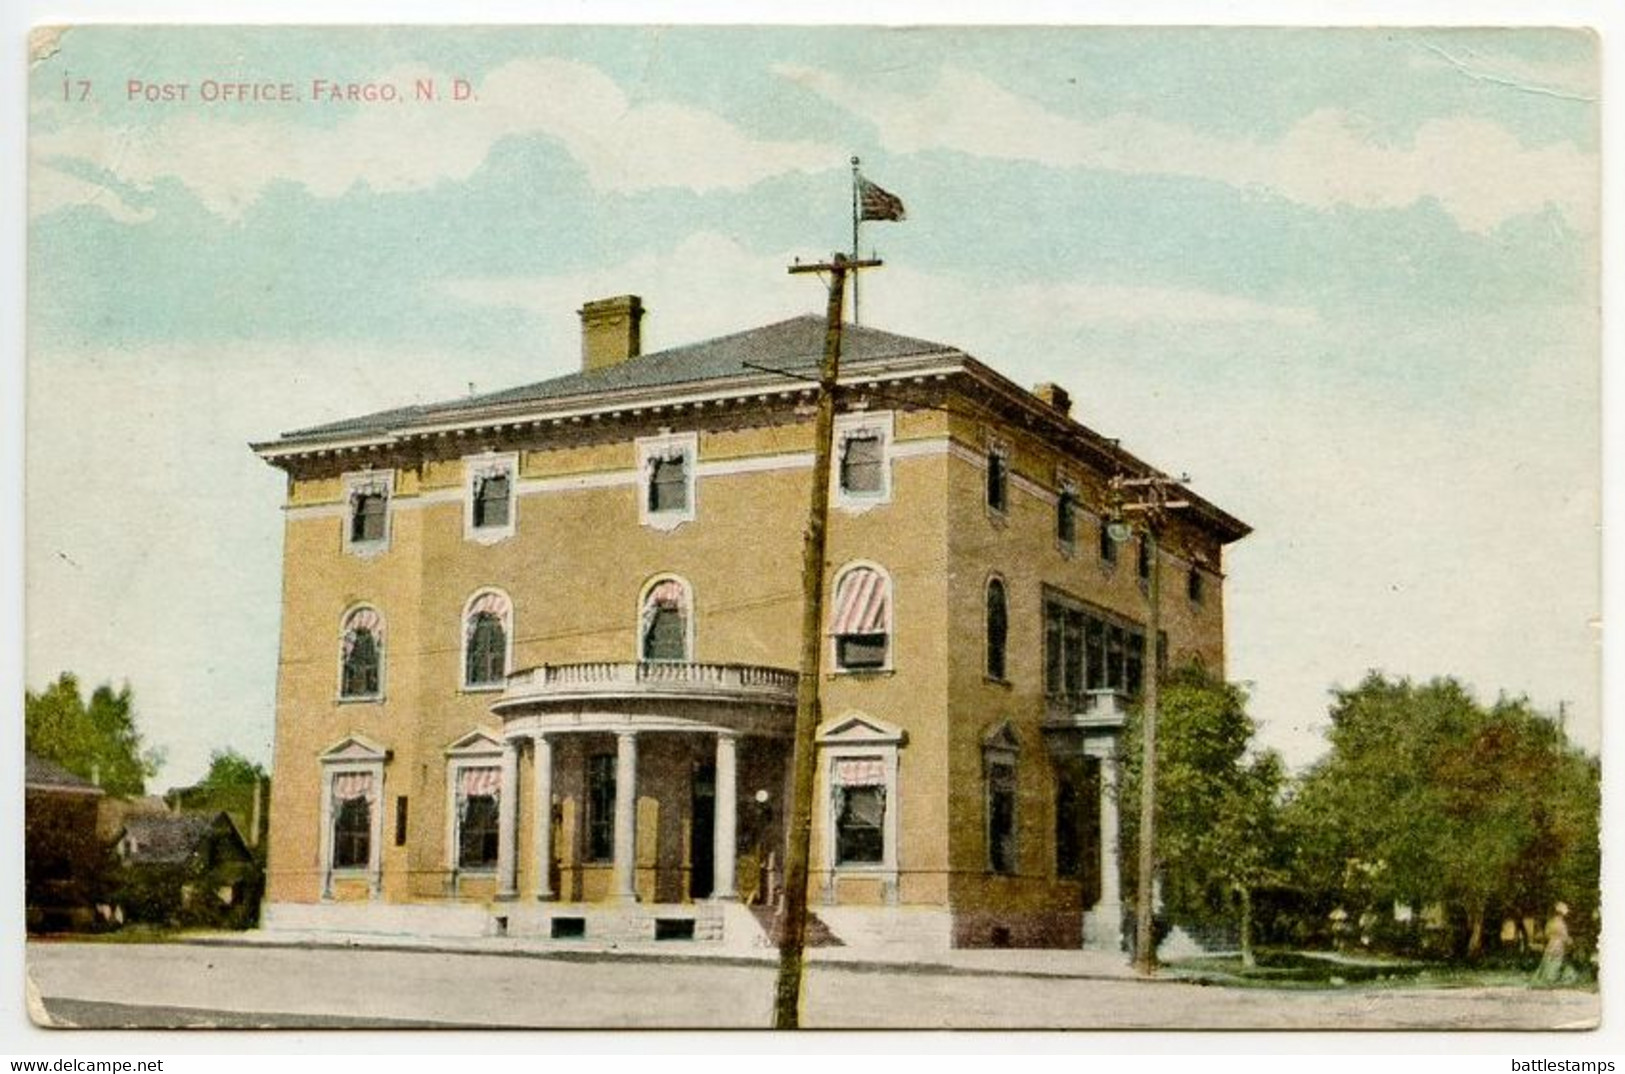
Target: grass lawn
(1322,970)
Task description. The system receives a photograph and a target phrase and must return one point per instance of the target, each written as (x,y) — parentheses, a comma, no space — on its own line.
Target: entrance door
(702,832)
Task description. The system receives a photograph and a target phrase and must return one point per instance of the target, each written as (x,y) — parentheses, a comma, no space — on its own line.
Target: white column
(507,826)
(624,886)
(544,816)
(1105,919)
(726,826)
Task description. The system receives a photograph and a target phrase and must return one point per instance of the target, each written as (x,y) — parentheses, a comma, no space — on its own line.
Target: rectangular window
(1001,817)
(862,457)
(860,818)
(1066,519)
(861,652)
(1088,650)
(998,480)
(1108,547)
(1193,585)
(1054,652)
(668,484)
(601,807)
(1073,637)
(367,516)
(1114,658)
(477,832)
(1143,559)
(491,501)
(400,820)
(1095,657)
(352,834)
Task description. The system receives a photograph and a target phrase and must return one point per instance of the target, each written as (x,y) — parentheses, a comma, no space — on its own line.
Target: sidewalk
(1032,962)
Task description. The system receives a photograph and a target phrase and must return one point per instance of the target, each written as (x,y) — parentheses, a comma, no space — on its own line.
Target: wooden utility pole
(793,927)
(1151,503)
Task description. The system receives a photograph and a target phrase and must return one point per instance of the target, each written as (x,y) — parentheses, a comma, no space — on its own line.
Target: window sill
(861,673)
(857,503)
(359,699)
(483,688)
(493,535)
(366,549)
(994,680)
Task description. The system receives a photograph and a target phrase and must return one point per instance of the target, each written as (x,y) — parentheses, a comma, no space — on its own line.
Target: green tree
(98,740)
(1217,838)
(1428,797)
(230,786)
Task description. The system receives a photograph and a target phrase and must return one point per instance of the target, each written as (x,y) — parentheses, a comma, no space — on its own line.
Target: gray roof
(796,344)
(166,838)
(42,774)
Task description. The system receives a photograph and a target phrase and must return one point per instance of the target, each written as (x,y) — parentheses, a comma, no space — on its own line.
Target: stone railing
(1093,710)
(743,682)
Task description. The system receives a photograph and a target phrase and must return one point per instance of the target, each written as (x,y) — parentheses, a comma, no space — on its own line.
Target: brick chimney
(1056,396)
(610,331)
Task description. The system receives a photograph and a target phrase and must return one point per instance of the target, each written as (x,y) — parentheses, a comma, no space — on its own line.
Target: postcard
(973,527)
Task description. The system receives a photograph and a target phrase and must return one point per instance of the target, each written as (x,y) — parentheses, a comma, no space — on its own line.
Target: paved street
(245,986)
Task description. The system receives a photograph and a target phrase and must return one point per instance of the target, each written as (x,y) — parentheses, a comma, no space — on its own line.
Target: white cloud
(677,285)
(1477,170)
(624,145)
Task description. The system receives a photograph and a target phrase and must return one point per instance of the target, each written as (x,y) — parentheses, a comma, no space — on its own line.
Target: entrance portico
(641,742)
(1092,737)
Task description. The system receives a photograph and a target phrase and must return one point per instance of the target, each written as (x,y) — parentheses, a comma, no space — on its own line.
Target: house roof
(724,363)
(168,838)
(794,345)
(41,774)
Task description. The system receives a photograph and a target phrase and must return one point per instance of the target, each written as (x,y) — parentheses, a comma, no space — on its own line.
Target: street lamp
(1151,502)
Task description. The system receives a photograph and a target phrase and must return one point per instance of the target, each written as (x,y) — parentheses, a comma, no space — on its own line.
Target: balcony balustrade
(653,679)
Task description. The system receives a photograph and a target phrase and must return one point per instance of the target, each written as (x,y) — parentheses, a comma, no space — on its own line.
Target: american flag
(877,204)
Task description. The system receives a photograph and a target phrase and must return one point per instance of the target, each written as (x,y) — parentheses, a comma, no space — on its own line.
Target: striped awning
(861,603)
(351,785)
(668,594)
(366,619)
(484,781)
(860,772)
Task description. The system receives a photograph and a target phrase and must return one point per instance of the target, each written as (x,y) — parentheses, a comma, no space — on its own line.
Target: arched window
(361,670)
(998,628)
(861,621)
(664,621)
(485,640)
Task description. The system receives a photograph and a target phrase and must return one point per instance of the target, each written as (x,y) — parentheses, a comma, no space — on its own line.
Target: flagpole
(856,216)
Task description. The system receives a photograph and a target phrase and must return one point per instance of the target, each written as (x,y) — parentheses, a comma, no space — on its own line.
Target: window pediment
(859,729)
(1002,739)
(478,743)
(354,748)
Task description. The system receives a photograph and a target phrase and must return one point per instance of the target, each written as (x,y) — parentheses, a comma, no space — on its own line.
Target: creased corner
(35,1004)
(45,42)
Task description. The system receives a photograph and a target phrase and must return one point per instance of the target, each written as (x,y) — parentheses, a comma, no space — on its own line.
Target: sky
(1346,279)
